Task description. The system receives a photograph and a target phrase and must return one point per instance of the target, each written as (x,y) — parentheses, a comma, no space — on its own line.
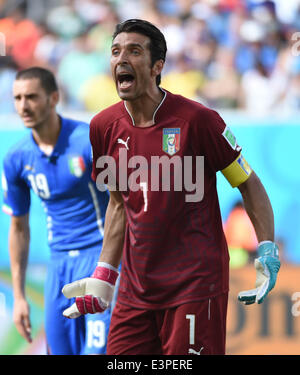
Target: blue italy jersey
(75,208)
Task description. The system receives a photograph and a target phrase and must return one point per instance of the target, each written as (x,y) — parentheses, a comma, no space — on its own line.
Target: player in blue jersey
(55,161)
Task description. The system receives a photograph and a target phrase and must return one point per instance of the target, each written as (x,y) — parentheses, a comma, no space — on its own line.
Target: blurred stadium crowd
(228,54)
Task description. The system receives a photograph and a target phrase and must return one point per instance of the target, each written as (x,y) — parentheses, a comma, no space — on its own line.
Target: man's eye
(114,52)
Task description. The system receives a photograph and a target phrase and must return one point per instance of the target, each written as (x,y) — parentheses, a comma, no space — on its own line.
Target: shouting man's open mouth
(125,80)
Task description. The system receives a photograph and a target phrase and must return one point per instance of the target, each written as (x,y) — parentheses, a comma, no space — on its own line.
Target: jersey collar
(154,118)
(59,144)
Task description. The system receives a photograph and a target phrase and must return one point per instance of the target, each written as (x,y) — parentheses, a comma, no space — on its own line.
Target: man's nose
(23,104)
(123,58)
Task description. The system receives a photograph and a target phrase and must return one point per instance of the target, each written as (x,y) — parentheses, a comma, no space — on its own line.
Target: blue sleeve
(87,148)
(89,153)
(16,200)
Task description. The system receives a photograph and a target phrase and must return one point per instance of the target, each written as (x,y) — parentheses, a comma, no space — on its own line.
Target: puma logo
(192,351)
(125,143)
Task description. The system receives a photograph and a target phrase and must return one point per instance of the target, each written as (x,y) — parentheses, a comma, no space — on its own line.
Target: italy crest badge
(171,140)
(76,165)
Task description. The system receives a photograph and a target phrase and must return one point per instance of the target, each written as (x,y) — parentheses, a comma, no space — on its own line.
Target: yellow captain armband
(237,172)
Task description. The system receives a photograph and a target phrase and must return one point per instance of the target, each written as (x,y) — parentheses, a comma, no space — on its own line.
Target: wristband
(268,248)
(106,274)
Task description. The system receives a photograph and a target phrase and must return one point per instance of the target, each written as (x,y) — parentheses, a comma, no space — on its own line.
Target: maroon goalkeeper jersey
(175,250)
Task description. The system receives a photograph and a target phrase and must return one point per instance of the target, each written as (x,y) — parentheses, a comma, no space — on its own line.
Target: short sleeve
(88,153)
(216,140)
(16,199)
(95,139)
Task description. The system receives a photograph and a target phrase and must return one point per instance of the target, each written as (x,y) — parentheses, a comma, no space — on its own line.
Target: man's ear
(54,98)
(158,67)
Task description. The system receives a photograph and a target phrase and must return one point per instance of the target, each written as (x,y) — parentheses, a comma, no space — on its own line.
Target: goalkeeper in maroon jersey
(159,154)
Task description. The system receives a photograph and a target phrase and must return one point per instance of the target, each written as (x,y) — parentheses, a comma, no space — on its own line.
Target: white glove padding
(267,267)
(92,294)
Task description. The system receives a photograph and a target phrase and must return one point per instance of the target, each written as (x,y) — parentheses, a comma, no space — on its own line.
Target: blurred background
(239,57)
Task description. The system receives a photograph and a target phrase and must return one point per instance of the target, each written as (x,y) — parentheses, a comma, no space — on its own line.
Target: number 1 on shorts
(144,187)
(191,318)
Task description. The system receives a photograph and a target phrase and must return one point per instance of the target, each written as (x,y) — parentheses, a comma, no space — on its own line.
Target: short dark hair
(158,45)
(46,77)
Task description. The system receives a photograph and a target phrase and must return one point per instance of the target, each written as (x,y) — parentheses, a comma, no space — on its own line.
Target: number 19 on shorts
(96,334)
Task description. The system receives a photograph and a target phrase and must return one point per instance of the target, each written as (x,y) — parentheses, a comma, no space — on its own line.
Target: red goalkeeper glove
(92,294)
